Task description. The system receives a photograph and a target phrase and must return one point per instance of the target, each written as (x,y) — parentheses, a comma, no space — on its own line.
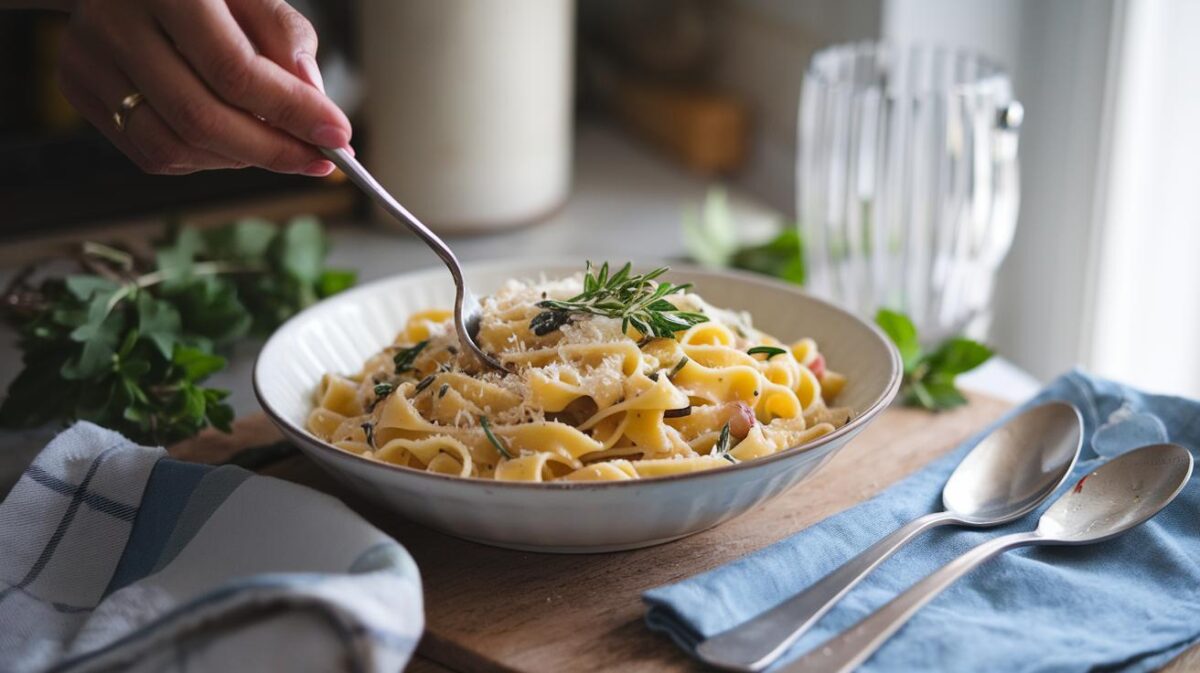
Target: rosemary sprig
(638,300)
(721,448)
(487,430)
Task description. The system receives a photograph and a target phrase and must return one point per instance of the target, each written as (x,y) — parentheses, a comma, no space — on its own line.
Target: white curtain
(1144,325)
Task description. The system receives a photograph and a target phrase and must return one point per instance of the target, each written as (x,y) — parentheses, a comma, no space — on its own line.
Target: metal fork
(467,311)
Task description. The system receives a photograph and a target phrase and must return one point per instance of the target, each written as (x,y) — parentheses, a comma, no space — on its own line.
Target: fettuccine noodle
(585,402)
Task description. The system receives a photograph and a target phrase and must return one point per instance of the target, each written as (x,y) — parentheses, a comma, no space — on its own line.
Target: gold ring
(128,103)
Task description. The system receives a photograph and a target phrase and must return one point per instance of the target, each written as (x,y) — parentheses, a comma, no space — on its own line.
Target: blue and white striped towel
(116,558)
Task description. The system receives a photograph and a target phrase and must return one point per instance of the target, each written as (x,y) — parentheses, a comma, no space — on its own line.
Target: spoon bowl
(1121,494)
(1016,467)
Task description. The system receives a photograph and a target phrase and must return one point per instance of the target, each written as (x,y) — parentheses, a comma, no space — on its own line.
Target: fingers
(213,43)
(187,106)
(281,34)
(95,87)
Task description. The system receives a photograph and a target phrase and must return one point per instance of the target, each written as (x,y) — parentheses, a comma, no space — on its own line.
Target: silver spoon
(467,310)
(1006,476)
(1119,495)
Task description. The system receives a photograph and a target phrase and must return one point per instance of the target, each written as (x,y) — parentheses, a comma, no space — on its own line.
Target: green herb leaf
(383,389)
(218,415)
(159,322)
(209,307)
(405,357)
(781,257)
(903,333)
(721,448)
(423,384)
(943,393)
(548,321)
(769,351)
(246,240)
(194,364)
(100,336)
(487,430)
(333,281)
(958,355)
(176,261)
(303,248)
(683,360)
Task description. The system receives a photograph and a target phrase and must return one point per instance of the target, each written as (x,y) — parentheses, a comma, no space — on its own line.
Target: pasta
(588,397)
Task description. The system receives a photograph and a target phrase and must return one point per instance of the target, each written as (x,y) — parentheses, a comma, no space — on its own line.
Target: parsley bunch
(638,300)
(929,376)
(128,343)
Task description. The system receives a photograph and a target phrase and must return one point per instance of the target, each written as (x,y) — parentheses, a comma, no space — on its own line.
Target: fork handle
(463,300)
(844,652)
(756,644)
(367,182)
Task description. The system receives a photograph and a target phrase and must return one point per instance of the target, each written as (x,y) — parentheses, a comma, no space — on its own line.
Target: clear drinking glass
(907,181)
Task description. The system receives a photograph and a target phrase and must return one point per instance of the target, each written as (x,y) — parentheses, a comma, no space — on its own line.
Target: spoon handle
(756,644)
(844,652)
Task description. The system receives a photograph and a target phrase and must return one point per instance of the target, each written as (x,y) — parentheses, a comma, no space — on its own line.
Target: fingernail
(308,66)
(350,149)
(328,135)
(319,168)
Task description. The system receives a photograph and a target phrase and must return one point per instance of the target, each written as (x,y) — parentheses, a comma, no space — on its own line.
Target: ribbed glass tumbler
(907,181)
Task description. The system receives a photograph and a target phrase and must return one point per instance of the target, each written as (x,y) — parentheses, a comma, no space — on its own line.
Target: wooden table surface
(491,609)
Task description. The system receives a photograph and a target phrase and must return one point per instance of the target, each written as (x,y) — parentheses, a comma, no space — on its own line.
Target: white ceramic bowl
(340,333)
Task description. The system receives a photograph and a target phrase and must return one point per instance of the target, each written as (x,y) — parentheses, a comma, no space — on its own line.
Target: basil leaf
(958,355)
(902,333)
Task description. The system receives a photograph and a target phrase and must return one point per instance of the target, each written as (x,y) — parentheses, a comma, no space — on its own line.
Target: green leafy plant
(929,377)
(128,342)
(638,300)
(710,237)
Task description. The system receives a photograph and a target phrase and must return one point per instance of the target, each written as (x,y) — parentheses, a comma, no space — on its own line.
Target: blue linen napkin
(116,558)
(1129,604)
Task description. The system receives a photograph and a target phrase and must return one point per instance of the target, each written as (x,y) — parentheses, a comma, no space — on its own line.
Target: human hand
(224,83)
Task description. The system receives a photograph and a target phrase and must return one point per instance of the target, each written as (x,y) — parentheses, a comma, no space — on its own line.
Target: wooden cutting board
(490,609)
